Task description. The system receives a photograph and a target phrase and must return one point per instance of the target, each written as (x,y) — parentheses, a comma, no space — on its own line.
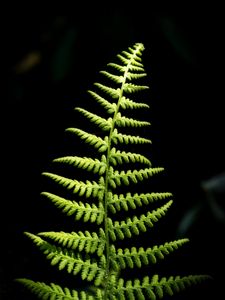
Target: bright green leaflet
(98,201)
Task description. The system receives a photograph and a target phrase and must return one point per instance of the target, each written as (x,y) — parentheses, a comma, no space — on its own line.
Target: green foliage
(95,255)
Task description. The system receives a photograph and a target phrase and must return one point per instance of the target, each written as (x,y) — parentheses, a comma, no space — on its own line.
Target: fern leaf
(137,257)
(136,68)
(118,157)
(124,60)
(109,107)
(132,76)
(118,202)
(101,122)
(114,93)
(82,241)
(123,68)
(126,228)
(97,142)
(154,288)
(66,258)
(133,88)
(121,177)
(128,139)
(118,67)
(115,78)
(81,188)
(128,103)
(54,291)
(86,163)
(122,121)
(86,211)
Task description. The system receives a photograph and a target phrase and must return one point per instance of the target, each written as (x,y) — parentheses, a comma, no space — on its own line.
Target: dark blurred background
(52,61)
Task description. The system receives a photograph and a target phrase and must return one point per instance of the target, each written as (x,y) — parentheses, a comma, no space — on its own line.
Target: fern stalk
(106,200)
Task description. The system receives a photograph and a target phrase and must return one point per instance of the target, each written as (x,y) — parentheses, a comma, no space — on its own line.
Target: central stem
(106,195)
(107,189)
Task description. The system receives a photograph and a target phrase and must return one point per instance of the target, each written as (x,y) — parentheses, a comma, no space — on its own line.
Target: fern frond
(122,121)
(118,67)
(86,211)
(115,78)
(86,163)
(101,122)
(154,288)
(66,259)
(92,254)
(137,257)
(132,76)
(109,107)
(131,60)
(118,177)
(91,139)
(119,157)
(128,139)
(119,79)
(81,188)
(114,93)
(54,291)
(126,228)
(123,68)
(133,88)
(128,103)
(82,241)
(118,202)
(136,68)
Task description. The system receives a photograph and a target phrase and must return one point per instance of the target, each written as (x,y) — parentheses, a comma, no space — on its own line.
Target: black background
(52,61)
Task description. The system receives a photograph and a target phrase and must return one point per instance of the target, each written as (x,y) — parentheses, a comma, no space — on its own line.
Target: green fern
(95,255)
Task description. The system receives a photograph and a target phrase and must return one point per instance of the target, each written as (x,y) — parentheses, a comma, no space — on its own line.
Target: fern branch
(81,188)
(154,288)
(54,291)
(115,78)
(132,76)
(128,139)
(126,228)
(116,178)
(109,107)
(86,163)
(133,88)
(66,258)
(118,157)
(114,93)
(101,122)
(118,202)
(137,257)
(128,103)
(91,139)
(122,121)
(81,241)
(123,68)
(86,211)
